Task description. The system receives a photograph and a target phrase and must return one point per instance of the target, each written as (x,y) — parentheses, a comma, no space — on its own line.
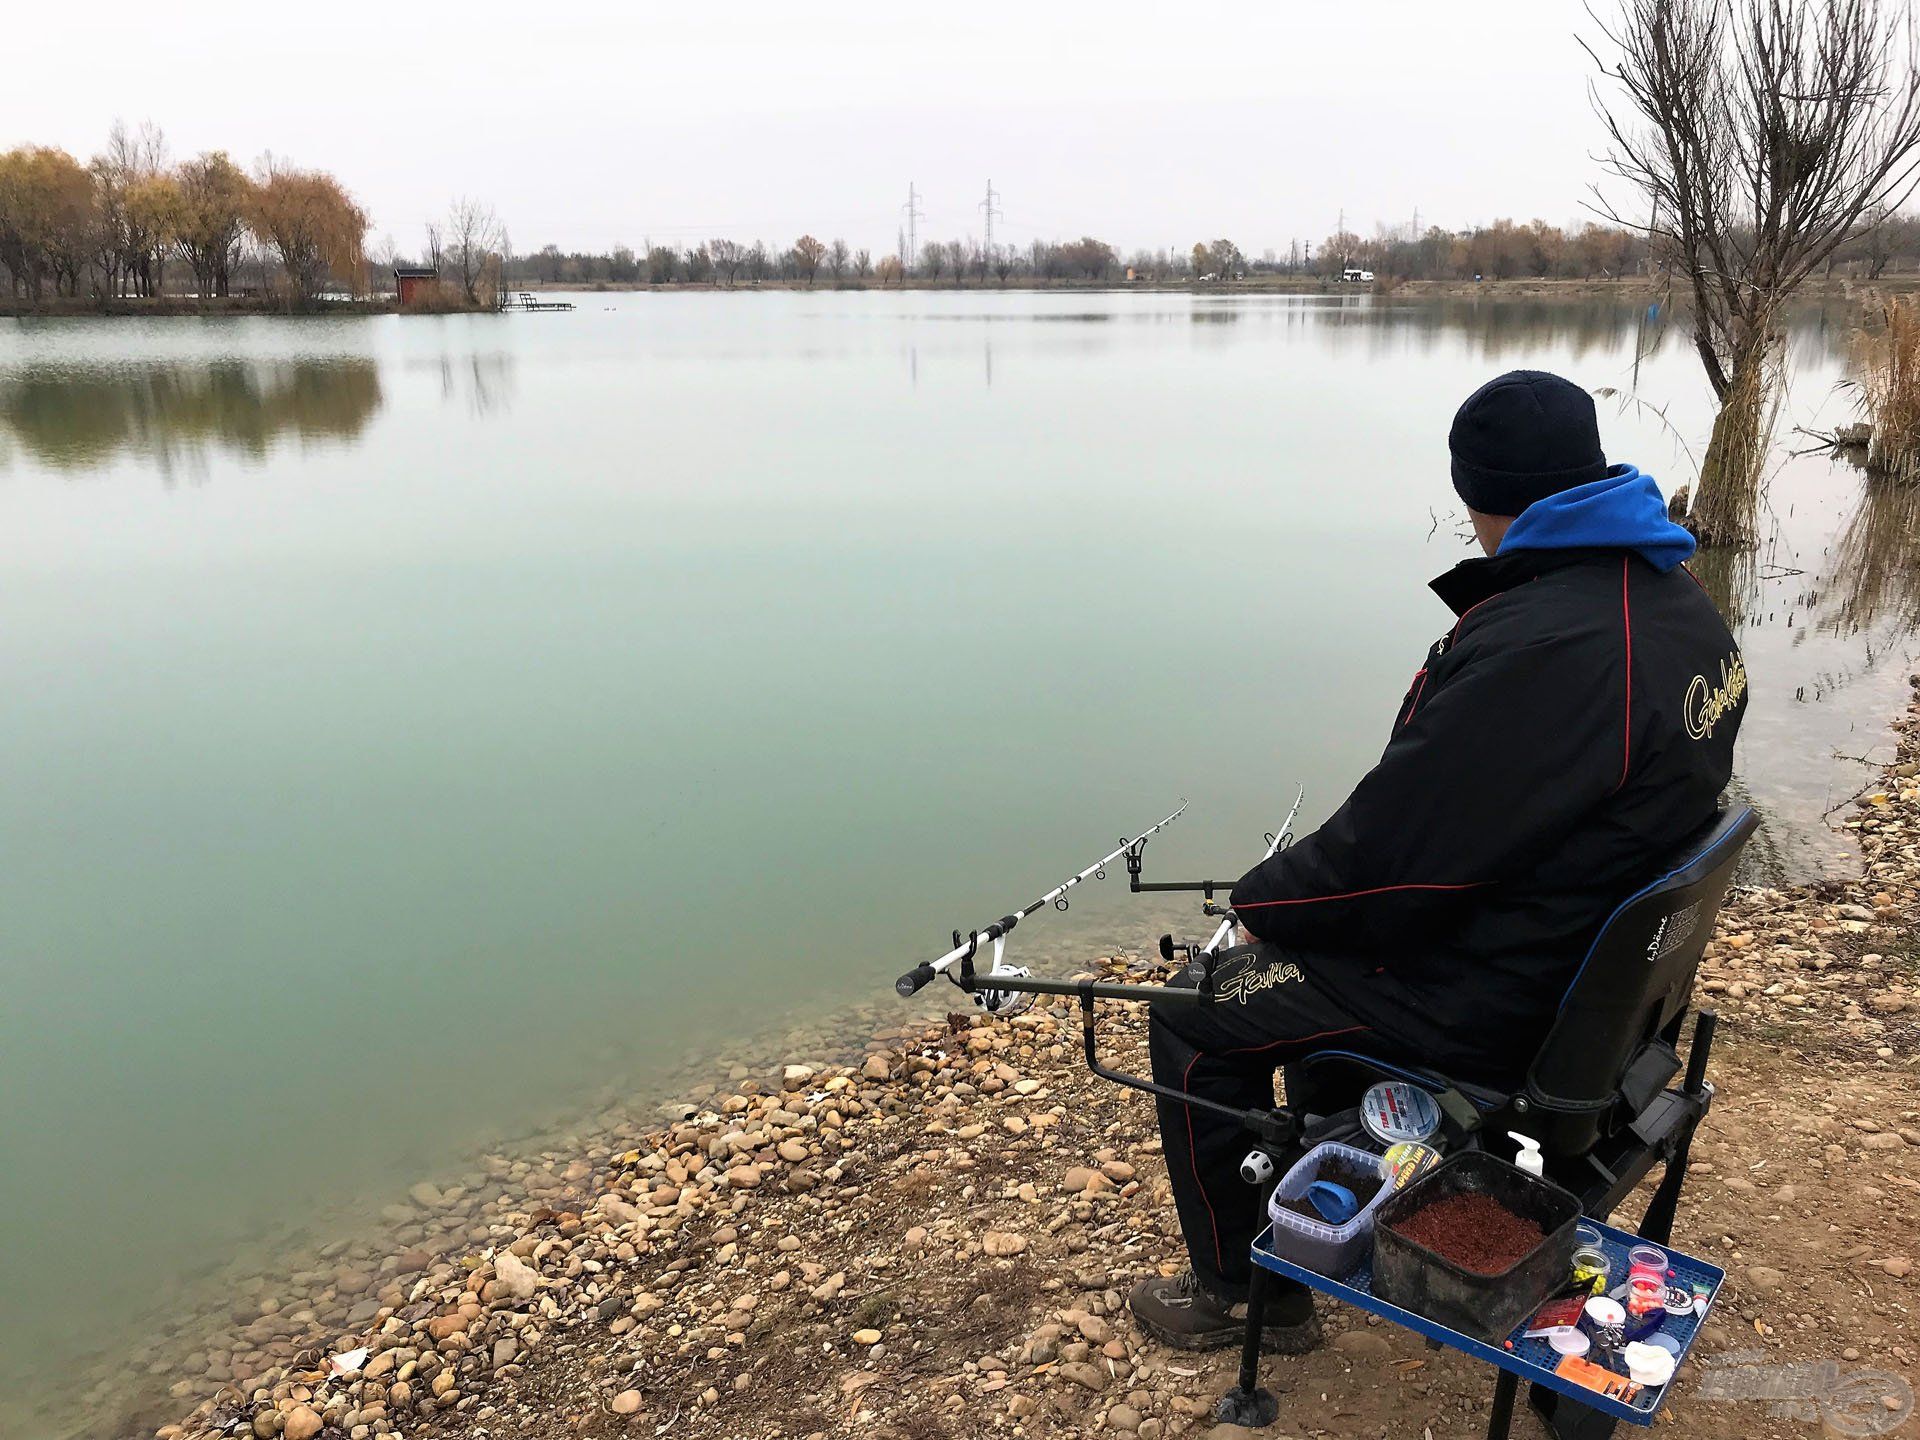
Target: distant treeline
(110,228)
(115,226)
(808,261)
(1503,250)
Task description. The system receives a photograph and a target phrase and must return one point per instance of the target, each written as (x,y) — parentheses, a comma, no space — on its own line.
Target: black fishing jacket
(1571,730)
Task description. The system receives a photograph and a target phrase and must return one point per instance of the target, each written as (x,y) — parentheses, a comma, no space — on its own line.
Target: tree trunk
(1726,502)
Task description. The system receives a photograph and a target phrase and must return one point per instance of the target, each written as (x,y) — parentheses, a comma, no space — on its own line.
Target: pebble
(1362,1343)
(1002,1243)
(866,1337)
(517,1279)
(626,1402)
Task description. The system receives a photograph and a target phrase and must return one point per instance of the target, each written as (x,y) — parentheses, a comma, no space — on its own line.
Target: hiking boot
(1181,1313)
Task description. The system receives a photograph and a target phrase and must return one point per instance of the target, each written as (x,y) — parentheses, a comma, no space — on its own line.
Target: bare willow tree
(1758,134)
(728,257)
(475,240)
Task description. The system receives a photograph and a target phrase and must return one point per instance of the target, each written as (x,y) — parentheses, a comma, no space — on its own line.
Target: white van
(1351,276)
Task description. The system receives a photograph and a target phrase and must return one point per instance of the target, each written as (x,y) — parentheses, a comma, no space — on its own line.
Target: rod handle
(914,981)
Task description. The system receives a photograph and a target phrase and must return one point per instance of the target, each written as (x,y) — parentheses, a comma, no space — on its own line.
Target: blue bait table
(1532,1360)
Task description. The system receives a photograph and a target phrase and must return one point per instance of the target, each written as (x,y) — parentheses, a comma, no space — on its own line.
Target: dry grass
(1887,370)
(443,297)
(1726,503)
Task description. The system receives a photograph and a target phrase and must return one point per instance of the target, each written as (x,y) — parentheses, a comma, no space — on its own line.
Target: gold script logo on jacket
(1706,704)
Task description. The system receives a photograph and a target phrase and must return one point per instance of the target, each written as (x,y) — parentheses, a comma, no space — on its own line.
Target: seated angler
(1573,727)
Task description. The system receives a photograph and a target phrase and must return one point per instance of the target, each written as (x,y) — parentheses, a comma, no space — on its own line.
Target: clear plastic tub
(1331,1250)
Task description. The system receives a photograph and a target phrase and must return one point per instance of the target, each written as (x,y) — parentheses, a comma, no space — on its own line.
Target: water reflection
(484,382)
(1875,567)
(175,412)
(1731,576)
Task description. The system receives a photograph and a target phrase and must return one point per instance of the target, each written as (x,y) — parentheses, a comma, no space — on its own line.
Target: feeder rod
(917,978)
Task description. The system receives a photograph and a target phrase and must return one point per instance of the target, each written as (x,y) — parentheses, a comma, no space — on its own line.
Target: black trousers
(1274,1007)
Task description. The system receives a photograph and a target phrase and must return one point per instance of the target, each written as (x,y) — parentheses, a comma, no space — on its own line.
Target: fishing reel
(996,1001)
(1004,1003)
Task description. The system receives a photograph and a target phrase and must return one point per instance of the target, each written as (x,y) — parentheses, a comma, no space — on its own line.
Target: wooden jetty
(526,300)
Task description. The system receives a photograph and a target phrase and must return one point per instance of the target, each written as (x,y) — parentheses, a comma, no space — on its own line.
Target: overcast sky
(1146,125)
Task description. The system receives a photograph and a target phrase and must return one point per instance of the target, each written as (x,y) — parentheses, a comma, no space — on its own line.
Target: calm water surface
(414,725)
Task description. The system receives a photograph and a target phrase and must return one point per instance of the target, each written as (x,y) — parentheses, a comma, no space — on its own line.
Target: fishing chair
(1597,1095)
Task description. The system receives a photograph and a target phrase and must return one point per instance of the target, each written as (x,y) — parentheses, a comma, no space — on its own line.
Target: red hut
(411,281)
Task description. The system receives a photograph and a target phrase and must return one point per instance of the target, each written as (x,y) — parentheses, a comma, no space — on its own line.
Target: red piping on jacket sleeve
(1357,894)
(1419,689)
(1626,625)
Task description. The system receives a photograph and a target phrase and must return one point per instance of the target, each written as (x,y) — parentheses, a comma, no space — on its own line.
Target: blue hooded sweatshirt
(1623,510)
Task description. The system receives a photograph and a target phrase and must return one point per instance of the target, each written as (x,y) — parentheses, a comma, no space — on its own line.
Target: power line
(914,216)
(989,209)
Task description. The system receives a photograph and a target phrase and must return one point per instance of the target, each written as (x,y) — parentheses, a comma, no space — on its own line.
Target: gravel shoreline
(932,1234)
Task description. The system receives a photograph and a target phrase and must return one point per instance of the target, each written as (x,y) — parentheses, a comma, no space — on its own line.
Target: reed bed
(1887,371)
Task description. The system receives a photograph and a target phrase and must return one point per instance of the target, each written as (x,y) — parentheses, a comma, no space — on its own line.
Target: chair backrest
(1611,1048)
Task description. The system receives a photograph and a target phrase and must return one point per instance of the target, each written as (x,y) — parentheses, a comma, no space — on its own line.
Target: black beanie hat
(1521,437)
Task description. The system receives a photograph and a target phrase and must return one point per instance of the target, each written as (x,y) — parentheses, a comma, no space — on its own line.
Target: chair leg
(1657,1224)
(1500,1419)
(1246,1404)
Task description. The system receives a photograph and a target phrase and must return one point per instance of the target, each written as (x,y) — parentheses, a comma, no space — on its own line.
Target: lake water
(415,726)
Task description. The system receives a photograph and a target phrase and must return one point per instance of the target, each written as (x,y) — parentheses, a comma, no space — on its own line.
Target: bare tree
(1757,133)
(807,254)
(838,257)
(728,256)
(475,240)
(862,264)
(1876,244)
